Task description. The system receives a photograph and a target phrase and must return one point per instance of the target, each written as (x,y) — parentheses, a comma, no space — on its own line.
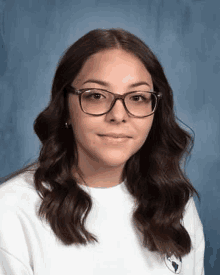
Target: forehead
(114,65)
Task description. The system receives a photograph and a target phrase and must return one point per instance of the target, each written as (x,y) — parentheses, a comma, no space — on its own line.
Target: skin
(102,162)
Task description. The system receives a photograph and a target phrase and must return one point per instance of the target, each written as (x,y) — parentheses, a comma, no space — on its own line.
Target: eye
(141,96)
(94,95)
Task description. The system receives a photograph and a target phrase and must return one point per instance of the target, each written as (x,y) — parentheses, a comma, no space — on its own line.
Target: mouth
(115,136)
(114,140)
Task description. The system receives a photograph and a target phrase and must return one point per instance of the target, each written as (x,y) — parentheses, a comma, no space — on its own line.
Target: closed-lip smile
(115,135)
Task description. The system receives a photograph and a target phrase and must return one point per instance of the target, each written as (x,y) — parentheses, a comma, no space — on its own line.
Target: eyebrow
(103,83)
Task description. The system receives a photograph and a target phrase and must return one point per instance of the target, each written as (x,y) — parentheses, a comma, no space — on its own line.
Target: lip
(110,140)
(113,135)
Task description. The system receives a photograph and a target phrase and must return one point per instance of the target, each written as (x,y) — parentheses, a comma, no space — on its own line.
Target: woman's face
(119,69)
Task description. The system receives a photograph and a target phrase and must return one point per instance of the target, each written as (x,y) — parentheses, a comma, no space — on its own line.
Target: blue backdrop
(184,34)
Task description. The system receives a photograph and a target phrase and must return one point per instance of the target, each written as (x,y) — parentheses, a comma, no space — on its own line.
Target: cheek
(85,129)
(79,123)
(144,129)
(80,128)
(141,142)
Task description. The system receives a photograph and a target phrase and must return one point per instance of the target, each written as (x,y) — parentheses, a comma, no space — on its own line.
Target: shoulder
(19,201)
(191,219)
(18,191)
(17,220)
(192,223)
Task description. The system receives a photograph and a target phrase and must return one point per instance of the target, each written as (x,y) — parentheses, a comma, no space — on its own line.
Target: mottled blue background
(184,34)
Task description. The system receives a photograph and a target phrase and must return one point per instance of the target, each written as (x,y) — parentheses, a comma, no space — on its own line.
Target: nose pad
(121,102)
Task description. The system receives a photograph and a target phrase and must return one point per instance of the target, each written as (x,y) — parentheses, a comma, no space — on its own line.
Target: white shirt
(28,245)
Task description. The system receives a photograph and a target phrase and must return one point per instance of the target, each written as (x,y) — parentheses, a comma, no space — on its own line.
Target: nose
(118,109)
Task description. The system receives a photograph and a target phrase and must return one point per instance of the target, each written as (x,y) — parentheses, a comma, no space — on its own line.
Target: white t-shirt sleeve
(195,228)
(200,247)
(14,257)
(10,265)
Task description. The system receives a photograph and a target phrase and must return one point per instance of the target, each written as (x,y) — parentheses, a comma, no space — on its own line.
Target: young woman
(107,194)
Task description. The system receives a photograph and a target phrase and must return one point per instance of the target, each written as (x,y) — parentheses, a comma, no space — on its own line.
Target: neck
(101,177)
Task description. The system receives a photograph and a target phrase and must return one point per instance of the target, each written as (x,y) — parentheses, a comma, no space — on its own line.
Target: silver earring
(66,125)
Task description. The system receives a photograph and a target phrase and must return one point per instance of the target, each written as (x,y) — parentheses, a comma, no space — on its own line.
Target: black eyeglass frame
(81,91)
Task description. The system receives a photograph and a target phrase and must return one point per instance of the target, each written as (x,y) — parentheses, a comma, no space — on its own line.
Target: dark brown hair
(154,176)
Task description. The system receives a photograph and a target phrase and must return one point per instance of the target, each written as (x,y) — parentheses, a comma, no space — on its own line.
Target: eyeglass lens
(139,103)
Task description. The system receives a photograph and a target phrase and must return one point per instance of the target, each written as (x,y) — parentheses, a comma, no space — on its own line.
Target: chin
(114,160)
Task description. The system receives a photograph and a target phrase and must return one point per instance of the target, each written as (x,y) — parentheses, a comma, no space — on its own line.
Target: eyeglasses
(98,102)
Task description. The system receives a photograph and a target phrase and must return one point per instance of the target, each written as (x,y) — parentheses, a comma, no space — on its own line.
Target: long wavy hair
(154,175)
